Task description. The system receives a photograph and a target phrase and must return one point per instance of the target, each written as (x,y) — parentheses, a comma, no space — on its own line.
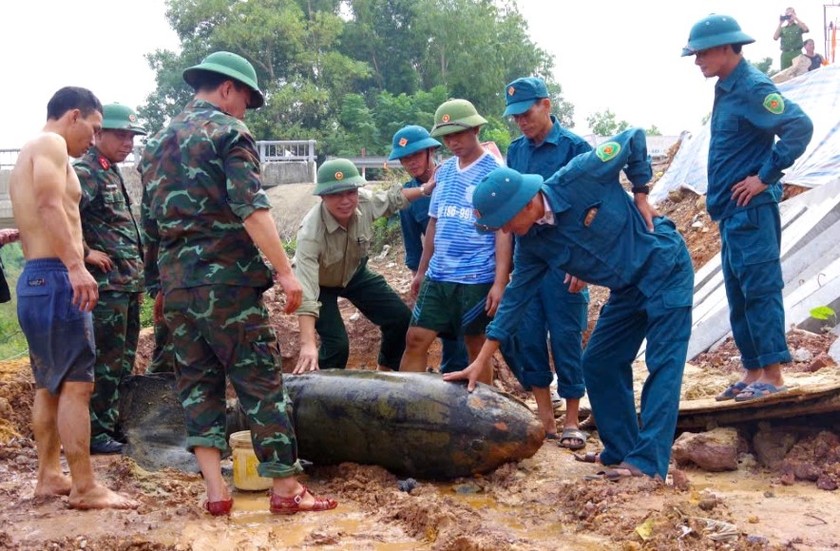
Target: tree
(604,124)
(653,131)
(349,73)
(764,66)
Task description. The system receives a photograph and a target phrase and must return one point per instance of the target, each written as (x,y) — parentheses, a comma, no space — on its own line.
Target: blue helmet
(501,195)
(714,30)
(409,140)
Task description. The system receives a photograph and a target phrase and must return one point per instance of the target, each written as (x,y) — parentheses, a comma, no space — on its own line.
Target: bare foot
(100,497)
(53,485)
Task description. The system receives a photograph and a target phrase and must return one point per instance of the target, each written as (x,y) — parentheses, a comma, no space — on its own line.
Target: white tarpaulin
(818,93)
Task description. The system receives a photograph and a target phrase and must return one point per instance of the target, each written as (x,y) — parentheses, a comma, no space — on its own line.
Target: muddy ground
(541,503)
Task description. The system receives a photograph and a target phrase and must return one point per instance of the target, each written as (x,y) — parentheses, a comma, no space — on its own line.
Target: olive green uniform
(109,226)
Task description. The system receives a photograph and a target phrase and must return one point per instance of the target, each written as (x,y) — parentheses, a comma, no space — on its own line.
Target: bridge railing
(271,151)
(8,157)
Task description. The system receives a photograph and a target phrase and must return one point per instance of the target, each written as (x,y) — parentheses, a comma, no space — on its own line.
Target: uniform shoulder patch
(774,103)
(607,151)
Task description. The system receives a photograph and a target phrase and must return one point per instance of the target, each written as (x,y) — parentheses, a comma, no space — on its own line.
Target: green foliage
(386,231)
(290,246)
(653,131)
(496,131)
(12,342)
(350,73)
(604,124)
(147,318)
(822,313)
(764,66)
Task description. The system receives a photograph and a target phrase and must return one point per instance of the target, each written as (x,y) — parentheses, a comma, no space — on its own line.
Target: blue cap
(501,195)
(522,93)
(409,140)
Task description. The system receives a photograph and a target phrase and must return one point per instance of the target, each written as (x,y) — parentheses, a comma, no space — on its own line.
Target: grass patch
(12,341)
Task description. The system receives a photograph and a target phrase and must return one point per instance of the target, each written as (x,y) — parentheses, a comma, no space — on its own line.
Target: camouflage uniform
(109,226)
(201,180)
(163,356)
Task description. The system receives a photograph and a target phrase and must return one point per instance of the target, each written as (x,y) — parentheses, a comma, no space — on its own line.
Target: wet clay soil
(541,503)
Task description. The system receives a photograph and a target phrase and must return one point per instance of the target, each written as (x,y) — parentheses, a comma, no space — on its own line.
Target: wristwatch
(641,189)
(423,188)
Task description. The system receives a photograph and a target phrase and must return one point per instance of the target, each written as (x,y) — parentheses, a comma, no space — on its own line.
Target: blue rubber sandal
(731,391)
(759,390)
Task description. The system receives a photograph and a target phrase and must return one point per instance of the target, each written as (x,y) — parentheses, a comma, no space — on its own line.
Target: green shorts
(451,309)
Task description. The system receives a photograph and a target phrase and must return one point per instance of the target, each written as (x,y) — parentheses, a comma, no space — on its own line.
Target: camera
(784,18)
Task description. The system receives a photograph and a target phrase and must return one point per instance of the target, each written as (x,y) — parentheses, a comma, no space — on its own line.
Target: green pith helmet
(337,175)
(120,117)
(232,65)
(714,30)
(454,116)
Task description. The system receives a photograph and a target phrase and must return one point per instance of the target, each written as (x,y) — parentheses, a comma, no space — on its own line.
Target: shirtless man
(55,296)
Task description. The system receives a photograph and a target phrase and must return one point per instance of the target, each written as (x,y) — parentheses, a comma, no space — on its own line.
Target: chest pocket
(598,223)
(113,196)
(363,241)
(726,125)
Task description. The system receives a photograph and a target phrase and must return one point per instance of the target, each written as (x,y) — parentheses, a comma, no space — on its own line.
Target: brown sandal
(290,505)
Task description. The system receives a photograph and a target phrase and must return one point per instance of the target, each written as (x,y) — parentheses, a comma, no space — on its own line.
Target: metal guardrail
(8,157)
(286,151)
(271,151)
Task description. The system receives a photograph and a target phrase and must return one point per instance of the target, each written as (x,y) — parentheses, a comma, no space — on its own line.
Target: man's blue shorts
(60,336)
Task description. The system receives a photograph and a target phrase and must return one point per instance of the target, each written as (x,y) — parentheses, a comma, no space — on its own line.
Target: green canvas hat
(337,175)
(714,30)
(232,65)
(501,195)
(454,116)
(120,117)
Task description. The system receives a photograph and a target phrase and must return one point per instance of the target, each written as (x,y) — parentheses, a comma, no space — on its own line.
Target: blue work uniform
(413,221)
(599,236)
(555,310)
(747,116)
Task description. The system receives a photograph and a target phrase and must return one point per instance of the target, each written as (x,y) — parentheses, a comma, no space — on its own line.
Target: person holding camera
(790,29)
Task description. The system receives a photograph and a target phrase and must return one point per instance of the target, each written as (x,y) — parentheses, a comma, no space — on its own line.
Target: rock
(680,479)
(834,350)
(821,361)
(772,445)
(825,482)
(700,204)
(708,503)
(802,355)
(715,450)
(675,195)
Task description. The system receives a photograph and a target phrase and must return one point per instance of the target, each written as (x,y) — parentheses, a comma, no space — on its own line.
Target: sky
(609,54)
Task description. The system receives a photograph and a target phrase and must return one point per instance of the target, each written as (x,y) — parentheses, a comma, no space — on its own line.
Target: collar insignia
(607,151)
(104,163)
